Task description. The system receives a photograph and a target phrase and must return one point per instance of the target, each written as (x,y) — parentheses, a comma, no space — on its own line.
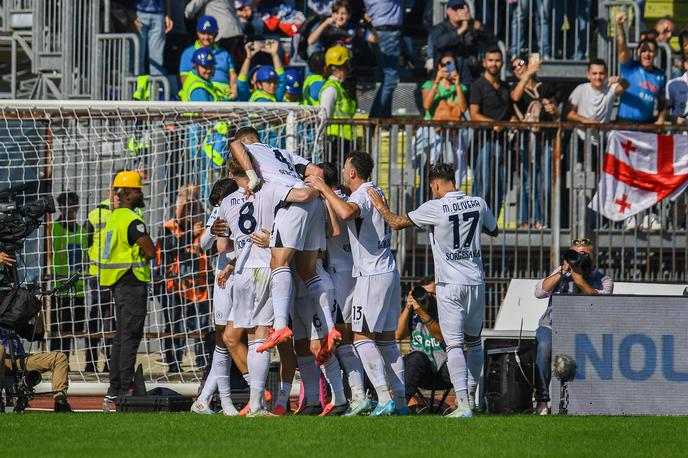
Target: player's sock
(474,361)
(247,377)
(221,366)
(394,368)
(374,367)
(323,297)
(310,374)
(210,385)
(281,287)
(333,374)
(283,394)
(349,361)
(458,373)
(258,366)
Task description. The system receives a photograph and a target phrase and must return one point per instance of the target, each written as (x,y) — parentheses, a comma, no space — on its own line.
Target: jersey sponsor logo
(460,255)
(460,205)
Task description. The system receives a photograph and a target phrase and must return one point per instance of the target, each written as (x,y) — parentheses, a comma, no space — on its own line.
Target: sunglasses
(519,64)
(581,242)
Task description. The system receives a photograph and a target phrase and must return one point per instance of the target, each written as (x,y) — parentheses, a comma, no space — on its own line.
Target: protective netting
(72,151)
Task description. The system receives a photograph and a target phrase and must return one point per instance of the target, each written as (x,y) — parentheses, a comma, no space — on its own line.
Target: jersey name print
(457,221)
(276,165)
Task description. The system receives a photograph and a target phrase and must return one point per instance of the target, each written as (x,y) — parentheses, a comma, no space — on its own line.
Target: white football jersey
(276,165)
(339,248)
(248,214)
(370,237)
(457,221)
(222,259)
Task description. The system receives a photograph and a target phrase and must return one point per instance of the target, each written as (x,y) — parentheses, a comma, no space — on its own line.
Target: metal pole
(555,201)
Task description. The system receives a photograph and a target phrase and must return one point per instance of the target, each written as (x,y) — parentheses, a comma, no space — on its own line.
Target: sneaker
(332,341)
(228,409)
(267,396)
(384,410)
(61,404)
(541,408)
(260,413)
(275,338)
(460,412)
(310,411)
(280,411)
(202,408)
(244,411)
(471,399)
(359,407)
(402,412)
(332,410)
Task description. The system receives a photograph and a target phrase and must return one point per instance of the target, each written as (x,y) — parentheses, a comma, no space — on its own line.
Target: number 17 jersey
(457,221)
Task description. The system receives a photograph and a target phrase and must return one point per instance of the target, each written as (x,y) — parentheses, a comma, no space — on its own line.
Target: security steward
(125,267)
(335,98)
(198,86)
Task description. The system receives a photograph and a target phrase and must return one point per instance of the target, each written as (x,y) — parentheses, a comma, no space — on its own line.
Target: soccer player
(377,295)
(298,233)
(218,378)
(251,294)
(457,221)
(339,266)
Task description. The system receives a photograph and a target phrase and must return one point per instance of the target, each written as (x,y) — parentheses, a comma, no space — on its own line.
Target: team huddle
(305,265)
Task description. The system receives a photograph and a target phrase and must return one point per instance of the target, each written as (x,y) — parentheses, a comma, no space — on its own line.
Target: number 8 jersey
(457,221)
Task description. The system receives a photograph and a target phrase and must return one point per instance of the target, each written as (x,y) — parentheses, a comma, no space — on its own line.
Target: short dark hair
(683,38)
(647,40)
(330,172)
(68,199)
(362,163)
(316,63)
(492,49)
(341,4)
(442,172)
(247,133)
(221,189)
(597,61)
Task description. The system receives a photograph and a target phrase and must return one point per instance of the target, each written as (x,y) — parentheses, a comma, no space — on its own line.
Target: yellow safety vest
(193,82)
(261,94)
(344,108)
(98,217)
(306,98)
(117,256)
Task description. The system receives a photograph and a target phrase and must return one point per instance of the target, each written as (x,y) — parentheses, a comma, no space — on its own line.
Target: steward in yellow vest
(124,266)
(197,85)
(333,96)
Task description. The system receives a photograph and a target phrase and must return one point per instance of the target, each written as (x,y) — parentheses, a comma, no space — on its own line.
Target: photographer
(576,275)
(425,364)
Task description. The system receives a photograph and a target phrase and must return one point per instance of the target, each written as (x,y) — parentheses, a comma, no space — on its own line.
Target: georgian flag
(639,170)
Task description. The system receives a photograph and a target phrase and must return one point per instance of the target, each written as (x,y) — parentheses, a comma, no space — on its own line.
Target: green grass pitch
(184,435)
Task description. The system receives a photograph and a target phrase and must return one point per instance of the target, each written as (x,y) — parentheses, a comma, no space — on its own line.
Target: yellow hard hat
(337,55)
(127,179)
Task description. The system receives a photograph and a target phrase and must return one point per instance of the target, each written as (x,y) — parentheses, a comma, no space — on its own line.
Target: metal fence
(538,179)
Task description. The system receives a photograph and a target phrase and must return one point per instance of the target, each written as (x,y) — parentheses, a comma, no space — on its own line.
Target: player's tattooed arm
(395,221)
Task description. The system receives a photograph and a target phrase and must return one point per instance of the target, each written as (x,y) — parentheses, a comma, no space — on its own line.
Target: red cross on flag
(639,170)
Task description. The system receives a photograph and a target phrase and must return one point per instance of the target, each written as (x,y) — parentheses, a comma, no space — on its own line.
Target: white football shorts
(251,298)
(461,310)
(222,301)
(300,226)
(376,302)
(344,285)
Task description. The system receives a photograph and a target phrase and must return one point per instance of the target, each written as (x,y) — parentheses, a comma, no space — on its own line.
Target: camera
(17,222)
(579,260)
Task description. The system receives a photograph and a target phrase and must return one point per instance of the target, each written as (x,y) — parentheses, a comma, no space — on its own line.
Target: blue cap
(203,57)
(207,24)
(293,82)
(266,73)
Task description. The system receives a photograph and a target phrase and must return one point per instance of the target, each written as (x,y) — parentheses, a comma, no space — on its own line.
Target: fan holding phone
(444,97)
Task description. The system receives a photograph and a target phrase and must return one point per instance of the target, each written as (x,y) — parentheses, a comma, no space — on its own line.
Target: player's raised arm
(300,195)
(242,157)
(394,220)
(345,210)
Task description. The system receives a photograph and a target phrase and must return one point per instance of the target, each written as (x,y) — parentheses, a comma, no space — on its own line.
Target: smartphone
(534,57)
(451,67)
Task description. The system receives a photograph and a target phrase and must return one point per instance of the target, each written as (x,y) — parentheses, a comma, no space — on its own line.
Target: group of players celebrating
(305,265)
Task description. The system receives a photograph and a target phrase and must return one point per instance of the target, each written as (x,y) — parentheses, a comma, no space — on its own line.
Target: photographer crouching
(576,275)
(425,365)
(53,362)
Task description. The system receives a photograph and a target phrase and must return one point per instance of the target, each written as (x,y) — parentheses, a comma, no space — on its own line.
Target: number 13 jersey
(456,222)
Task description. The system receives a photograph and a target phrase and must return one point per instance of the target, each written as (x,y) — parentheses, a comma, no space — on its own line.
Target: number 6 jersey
(456,222)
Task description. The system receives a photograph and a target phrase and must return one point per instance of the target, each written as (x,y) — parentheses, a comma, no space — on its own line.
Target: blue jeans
(578,14)
(490,158)
(531,168)
(390,51)
(152,35)
(543,363)
(543,26)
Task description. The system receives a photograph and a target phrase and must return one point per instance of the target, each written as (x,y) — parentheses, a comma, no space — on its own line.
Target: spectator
(152,22)
(315,79)
(69,242)
(681,57)
(462,35)
(664,30)
(54,362)
(520,15)
(425,364)
(444,97)
(229,33)
(646,82)
(338,29)
(677,97)
(224,77)
(251,24)
(592,102)
(293,85)
(335,98)
(198,86)
(581,277)
(386,17)
(490,101)
(269,79)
